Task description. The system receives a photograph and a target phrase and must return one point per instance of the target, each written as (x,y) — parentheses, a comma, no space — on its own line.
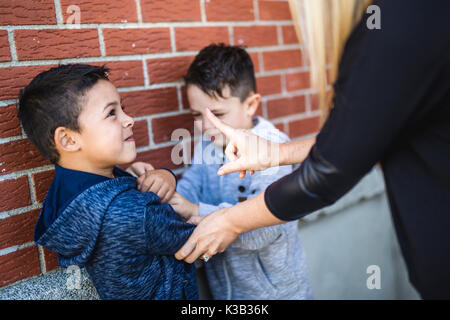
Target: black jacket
(391,106)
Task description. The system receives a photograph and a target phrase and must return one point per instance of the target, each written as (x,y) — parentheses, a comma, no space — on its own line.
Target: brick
(15,194)
(259,111)
(268,85)
(195,38)
(18,229)
(286,106)
(42,182)
(163,127)
(56,44)
(289,35)
(147,102)
(256,36)
(9,123)
(304,127)
(136,41)
(170,10)
(13,79)
(140,133)
(168,69)
(274,10)
(51,260)
(5,55)
(18,265)
(280,126)
(231,10)
(297,81)
(283,59)
(17,12)
(184,99)
(19,155)
(158,158)
(125,73)
(114,11)
(255,59)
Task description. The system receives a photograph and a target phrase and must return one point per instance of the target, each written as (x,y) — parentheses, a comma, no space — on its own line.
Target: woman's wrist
(294,152)
(249,215)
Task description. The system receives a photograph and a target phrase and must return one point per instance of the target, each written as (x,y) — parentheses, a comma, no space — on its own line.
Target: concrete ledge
(54,285)
(51,286)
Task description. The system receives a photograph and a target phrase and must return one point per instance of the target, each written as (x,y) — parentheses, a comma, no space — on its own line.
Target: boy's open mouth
(130,138)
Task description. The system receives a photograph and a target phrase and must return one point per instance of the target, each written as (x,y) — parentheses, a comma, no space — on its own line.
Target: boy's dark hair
(54,99)
(217,66)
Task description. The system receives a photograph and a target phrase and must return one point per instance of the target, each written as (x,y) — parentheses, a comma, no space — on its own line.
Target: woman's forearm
(294,152)
(251,214)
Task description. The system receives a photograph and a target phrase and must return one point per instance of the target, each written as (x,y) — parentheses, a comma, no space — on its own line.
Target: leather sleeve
(381,99)
(315,184)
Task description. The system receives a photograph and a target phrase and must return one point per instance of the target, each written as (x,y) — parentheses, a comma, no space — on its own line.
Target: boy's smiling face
(106,136)
(229,110)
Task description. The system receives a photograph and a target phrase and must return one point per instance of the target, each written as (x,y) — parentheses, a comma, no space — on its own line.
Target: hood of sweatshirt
(74,233)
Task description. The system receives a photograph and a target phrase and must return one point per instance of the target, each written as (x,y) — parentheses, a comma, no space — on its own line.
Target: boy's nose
(127,121)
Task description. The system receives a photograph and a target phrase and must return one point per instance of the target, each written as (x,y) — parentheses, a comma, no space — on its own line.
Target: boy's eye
(112,113)
(218,115)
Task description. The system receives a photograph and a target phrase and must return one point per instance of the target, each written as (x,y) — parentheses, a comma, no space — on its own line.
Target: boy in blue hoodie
(93,215)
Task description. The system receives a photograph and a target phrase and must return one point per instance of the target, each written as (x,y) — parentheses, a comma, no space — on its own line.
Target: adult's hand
(218,230)
(245,150)
(212,235)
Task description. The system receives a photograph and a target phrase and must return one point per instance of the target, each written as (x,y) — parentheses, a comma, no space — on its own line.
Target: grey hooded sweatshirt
(266,263)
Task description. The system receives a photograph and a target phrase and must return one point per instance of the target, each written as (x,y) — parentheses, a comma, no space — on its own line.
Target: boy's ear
(252,103)
(66,140)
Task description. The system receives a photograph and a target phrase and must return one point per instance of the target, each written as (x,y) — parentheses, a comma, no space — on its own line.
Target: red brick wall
(148,44)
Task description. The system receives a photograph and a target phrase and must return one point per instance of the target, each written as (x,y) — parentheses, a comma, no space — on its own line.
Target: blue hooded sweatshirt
(124,238)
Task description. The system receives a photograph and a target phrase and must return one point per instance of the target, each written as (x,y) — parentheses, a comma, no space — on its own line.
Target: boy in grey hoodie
(267,263)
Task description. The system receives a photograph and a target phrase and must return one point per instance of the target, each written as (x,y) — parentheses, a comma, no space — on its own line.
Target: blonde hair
(323,26)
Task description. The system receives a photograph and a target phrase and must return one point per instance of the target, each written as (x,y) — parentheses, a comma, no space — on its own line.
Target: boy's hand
(183,207)
(159,181)
(137,169)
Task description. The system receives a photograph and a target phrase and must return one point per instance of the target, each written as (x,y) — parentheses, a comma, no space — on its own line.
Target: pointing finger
(226,130)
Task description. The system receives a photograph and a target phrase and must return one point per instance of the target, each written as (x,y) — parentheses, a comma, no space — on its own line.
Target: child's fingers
(162,193)
(167,195)
(139,168)
(156,186)
(148,167)
(147,184)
